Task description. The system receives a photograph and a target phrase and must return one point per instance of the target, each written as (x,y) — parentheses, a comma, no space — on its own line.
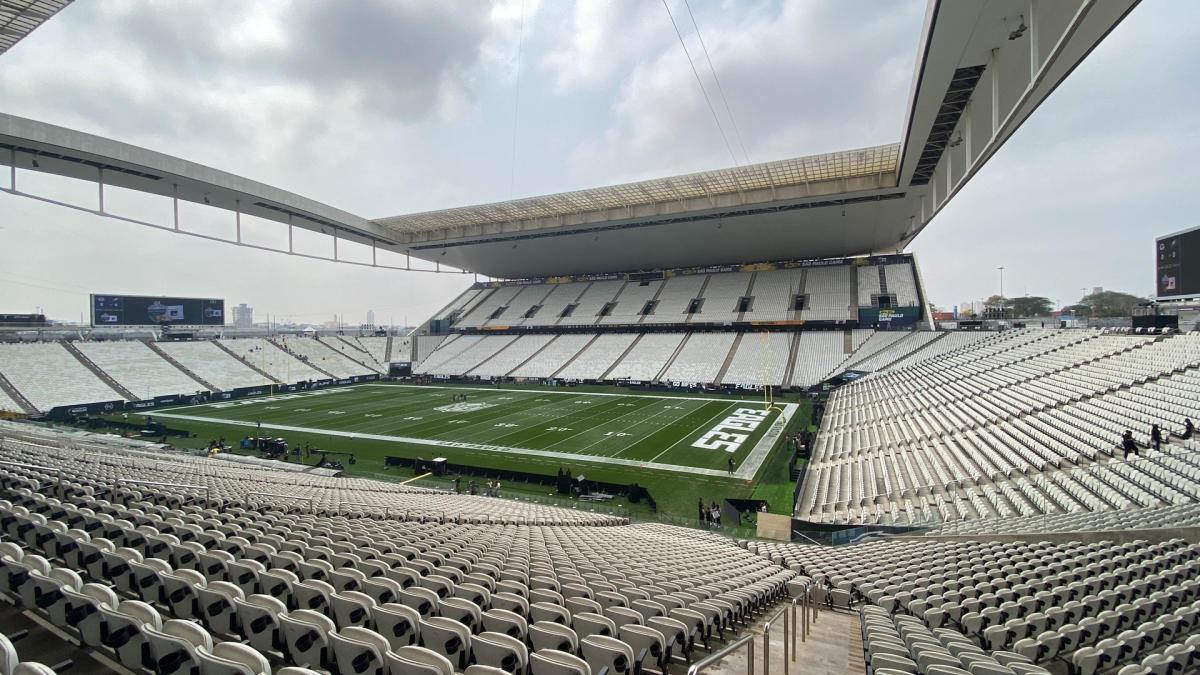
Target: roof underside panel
(670,195)
(19,18)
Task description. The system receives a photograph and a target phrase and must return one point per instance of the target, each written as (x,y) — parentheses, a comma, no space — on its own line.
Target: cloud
(795,84)
(383,107)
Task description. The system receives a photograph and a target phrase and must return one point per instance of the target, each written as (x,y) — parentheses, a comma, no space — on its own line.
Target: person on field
(702,511)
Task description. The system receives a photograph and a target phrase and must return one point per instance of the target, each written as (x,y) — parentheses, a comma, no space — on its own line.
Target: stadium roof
(18,18)
(803,174)
(983,67)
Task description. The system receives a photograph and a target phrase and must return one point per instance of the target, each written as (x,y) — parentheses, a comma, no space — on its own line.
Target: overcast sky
(385,107)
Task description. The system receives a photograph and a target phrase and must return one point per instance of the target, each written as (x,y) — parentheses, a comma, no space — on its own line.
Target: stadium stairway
(661,371)
(378,366)
(388,350)
(800,283)
(737,341)
(353,357)
(17,396)
(187,371)
(309,362)
(571,360)
(748,293)
(793,355)
(653,299)
(621,358)
(246,362)
(99,372)
(915,336)
(537,354)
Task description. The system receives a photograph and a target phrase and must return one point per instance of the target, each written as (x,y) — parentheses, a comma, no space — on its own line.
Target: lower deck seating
(162,580)
(1020,607)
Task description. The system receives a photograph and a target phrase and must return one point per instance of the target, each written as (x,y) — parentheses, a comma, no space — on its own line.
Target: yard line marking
(602,439)
(689,434)
(637,409)
(562,456)
(558,393)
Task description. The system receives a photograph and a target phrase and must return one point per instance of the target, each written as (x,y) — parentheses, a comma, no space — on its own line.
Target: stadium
(702,423)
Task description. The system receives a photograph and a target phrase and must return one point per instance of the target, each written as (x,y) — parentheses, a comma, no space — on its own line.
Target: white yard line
(547,391)
(744,471)
(623,449)
(704,426)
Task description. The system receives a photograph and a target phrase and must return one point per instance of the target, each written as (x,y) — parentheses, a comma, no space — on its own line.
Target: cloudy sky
(383,107)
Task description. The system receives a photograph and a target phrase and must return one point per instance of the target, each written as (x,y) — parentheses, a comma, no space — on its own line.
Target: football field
(689,434)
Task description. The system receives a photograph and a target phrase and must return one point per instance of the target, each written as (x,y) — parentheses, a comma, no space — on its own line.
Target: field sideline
(654,432)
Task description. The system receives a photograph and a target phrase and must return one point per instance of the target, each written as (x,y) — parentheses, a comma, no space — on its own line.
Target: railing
(707,661)
(387,510)
(766,635)
(37,467)
(808,609)
(310,500)
(137,481)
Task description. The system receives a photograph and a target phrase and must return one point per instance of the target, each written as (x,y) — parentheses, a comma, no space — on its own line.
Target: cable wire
(700,82)
(512,168)
(728,111)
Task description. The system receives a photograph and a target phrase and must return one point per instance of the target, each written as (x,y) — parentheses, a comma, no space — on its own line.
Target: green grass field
(607,433)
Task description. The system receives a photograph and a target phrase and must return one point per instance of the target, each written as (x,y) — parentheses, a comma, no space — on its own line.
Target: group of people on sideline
(492,489)
(1131,447)
(709,515)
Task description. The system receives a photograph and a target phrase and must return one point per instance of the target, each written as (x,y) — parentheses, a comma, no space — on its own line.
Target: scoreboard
(139,310)
(1177,265)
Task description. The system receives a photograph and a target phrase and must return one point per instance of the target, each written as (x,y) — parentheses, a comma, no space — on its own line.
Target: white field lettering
(732,431)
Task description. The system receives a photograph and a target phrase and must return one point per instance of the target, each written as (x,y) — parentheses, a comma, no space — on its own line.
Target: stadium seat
(305,635)
(449,638)
(417,661)
(173,649)
(555,662)
(359,651)
(231,658)
(398,624)
(500,651)
(258,617)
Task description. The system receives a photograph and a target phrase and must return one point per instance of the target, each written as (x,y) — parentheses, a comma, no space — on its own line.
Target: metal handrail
(138,481)
(728,649)
(58,474)
(803,536)
(311,509)
(766,635)
(386,509)
(24,465)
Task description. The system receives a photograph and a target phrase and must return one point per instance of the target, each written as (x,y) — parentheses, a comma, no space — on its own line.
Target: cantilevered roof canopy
(18,18)
(37,146)
(983,67)
(817,174)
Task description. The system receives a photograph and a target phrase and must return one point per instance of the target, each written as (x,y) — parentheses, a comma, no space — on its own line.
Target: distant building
(370,317)
(243,316)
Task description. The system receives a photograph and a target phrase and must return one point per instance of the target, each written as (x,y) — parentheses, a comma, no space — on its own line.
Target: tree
(997,307)
(1111,303)
(1032,305)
